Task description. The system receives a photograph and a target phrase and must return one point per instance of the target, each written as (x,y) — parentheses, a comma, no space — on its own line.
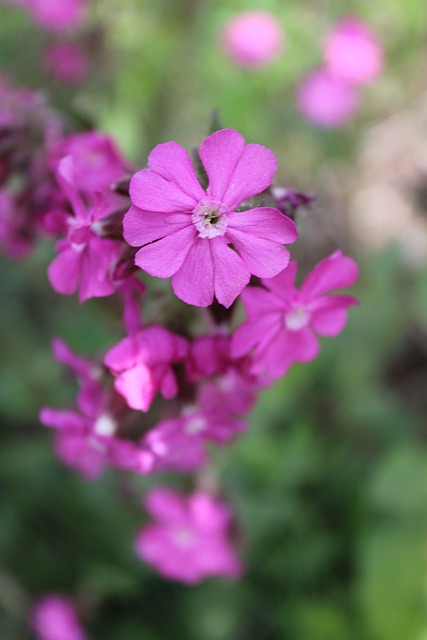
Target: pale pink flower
(325,100)
(282,321)
(189,541)
(142,365)
(200,238)
(352,52)
(66,62)
(253,38)
(54,617)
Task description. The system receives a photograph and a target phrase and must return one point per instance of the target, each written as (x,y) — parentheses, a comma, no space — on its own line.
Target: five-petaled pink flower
(283,321)
(189,541)
(198,237)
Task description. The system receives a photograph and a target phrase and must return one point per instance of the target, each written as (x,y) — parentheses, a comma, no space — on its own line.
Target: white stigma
(105,426)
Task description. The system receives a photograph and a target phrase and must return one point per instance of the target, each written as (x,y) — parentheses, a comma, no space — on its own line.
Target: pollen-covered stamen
(297,318)
(210,218)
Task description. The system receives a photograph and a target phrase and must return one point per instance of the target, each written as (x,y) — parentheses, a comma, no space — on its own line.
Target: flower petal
(231,274)
(264,258)
(164,257)
(63,272)
(330,314)
(283,284)
(219,154)
(254,172)
(141,227)
(264,222)
(194,281)
(173,163)
(150,192)
(334,272)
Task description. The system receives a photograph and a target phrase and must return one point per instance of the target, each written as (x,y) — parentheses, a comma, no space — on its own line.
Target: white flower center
(195,425)
(210,218)
(105,426)
(183,538)
(297,318)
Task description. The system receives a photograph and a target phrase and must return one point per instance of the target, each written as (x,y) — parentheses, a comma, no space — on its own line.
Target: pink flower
(54,617)
(189,542)
(353,53)
(56,15)
(200,238)
(253,38)
(283,321)
(142,365)
(85,259)
(97,162)
(180,443)
(66,62)
(325,100)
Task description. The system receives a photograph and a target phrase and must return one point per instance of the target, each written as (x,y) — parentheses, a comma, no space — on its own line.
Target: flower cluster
(178,382)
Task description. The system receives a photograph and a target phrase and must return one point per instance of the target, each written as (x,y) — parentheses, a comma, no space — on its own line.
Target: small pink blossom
(180,443)
(56,15)
(353,53)
(282,321)
(86,259)
(201,238)
(325,100)
(54,617)
(97,162)
(66,62)
(189,541)
(253,38)
(142,365)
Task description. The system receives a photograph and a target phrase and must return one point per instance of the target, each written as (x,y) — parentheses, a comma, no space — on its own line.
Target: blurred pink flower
(352,52)
(189,541)
(282,321)
(86,258)
(253,38)
(56,15)
(54,617)
(325,100)
(142,365)
(66,62)
(186,232)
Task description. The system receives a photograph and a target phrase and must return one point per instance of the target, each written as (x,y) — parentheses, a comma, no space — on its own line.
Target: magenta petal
(142,227)
(136,386)
(63,272)
(231,275)
(166,505)
(329,314)
(173,163)
(150,192)
(254,172)
(265,222)
(264,258)
(164,257)
(194,281)
(334,272)
(255,334)
(60,419)
(283,284)
(261,303)
(219,154)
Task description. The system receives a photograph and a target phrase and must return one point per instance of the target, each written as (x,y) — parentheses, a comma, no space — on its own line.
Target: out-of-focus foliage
(330,482)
